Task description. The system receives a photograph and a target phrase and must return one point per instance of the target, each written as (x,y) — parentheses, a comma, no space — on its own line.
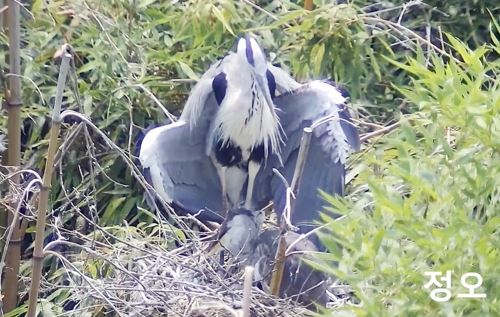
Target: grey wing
(330,145)
(174,158)
(201,105)
(196,109)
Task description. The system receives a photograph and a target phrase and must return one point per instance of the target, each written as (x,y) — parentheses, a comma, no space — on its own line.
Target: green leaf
(374,64)
(145,3)
(318,53)
(110,214)
(187,71)
(218,14)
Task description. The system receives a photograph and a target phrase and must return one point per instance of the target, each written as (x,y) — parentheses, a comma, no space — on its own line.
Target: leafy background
(424,196)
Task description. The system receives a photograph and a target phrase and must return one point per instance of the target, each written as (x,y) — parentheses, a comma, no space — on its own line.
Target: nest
(133,275)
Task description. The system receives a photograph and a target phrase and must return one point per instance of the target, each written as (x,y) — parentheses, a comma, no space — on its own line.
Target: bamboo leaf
(187,70)
(109,215)
(218,14)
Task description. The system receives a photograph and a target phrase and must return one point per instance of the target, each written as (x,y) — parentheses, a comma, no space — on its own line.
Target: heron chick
(240,235)
(237,233)
(300,281)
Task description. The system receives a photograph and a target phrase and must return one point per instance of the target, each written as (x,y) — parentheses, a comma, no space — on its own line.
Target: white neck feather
(244,116)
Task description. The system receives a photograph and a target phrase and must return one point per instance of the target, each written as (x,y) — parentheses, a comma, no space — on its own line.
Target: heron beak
(262,83)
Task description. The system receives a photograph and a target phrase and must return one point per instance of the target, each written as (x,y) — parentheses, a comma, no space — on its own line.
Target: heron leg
(253,169)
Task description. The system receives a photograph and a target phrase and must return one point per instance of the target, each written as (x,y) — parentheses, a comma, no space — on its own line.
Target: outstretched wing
(174,159)
(173,156)
(330,145)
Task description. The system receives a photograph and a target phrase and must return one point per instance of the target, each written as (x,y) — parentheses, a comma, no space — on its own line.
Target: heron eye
(249,52)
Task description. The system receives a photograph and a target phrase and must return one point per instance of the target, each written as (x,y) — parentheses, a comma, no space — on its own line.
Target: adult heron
(227,129)
(244,130)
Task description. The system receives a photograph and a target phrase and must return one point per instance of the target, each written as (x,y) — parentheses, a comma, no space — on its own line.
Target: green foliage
(128,51)
(427,195)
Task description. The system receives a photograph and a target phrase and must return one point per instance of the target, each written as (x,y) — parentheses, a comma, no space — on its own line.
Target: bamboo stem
(279,266)
(46,183)
(301,160)
(13,257)
(308,4)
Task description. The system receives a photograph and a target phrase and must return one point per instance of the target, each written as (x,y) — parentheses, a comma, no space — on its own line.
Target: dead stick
(380,131)
(46,182)
(247,290)
(279,267)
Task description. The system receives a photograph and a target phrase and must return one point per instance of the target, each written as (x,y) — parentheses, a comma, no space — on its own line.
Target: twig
(279,267)
(286,216)
(301,159)
(167,113)
(380,131)
(84,277)
(135,171)
(262,10)
(308,5)
(16,217)
(247,290)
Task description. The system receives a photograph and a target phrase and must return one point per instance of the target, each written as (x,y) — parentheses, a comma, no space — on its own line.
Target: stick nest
(129,274)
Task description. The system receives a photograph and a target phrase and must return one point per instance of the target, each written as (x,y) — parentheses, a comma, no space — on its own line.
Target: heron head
(239,230)
(249,51)
(252,53)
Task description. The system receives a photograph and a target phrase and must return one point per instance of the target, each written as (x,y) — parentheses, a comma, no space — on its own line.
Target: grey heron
(228,137)
(238,233)
(227,129)
(244,130)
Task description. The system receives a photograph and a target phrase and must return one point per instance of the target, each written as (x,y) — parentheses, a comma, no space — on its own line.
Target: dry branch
(308,5)
(146,280)
(247,290)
